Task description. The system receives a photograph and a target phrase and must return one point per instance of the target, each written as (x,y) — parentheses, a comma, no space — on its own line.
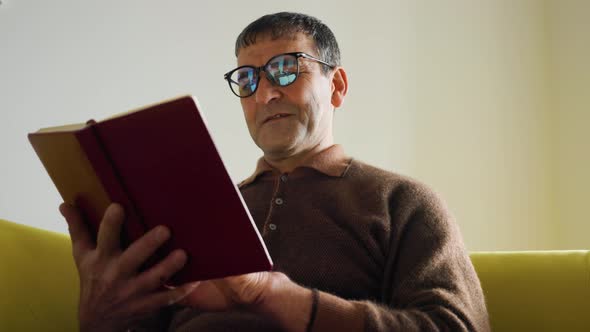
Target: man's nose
(266,91)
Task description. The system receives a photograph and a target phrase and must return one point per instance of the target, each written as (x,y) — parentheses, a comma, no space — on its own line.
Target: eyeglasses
(281,70)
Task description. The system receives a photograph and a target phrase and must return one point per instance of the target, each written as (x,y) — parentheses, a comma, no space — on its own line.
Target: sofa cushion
(536,290)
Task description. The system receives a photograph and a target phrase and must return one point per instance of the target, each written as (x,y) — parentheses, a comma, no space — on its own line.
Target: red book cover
(162,165)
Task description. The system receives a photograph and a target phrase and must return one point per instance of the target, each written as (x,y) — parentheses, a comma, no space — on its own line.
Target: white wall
(67,61)
(452,92)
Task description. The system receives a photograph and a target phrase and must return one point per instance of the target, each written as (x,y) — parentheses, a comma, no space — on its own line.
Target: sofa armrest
(38,280)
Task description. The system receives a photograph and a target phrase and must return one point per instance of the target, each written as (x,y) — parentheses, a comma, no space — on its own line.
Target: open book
(162,165)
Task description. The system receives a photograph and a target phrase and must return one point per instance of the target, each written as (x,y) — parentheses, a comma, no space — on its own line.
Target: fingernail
(173,300)
(162,233)
(62,208)
(182,296)
(114,209)
(177,299)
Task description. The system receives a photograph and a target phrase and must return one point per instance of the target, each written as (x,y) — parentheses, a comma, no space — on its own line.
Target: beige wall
(568,27)
(482,120)
(502,109)
(502,106)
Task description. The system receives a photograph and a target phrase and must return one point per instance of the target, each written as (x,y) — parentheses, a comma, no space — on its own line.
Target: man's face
(284,121)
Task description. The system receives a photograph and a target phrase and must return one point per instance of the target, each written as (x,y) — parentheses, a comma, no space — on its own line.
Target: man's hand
(113,294)
(271,294)
(248,290)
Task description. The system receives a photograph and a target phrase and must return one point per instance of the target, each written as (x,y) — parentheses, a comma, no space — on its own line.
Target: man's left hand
(271,294)
(247,290)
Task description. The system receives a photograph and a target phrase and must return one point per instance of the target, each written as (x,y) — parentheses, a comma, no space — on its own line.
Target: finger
(207,297)
(140,250)
(109,231)
(161,299)
(157,275)
(223,287)
(81,240)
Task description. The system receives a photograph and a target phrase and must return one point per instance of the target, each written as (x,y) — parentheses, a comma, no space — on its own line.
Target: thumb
(187,291)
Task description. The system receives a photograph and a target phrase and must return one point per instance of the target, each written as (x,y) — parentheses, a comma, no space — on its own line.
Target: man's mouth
(276,117)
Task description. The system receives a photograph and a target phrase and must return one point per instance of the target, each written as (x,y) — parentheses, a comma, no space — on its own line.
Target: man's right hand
(113,294)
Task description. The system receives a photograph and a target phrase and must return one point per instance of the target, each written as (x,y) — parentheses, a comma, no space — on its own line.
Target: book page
(70,127)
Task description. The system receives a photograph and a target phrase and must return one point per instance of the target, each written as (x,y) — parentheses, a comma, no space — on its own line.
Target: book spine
(106,170)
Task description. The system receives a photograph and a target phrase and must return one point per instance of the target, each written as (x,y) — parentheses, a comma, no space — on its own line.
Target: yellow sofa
(525,291)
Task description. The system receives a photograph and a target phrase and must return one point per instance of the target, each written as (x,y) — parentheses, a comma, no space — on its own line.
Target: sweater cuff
(336,314)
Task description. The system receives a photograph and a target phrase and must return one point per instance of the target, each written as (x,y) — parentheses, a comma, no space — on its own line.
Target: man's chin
(276,150)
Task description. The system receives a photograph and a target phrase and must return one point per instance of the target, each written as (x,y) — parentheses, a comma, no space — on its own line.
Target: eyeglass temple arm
(305,55)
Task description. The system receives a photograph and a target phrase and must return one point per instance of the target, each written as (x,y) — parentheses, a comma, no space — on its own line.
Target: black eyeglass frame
(257,70)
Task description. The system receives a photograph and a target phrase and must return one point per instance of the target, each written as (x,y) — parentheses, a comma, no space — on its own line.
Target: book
(161,164)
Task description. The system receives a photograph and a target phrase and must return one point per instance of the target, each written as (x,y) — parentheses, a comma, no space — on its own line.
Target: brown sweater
(382,249)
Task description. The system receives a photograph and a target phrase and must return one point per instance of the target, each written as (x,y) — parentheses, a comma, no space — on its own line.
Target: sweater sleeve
(429,282)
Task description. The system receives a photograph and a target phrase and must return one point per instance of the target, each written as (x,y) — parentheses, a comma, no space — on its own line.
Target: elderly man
(356,248)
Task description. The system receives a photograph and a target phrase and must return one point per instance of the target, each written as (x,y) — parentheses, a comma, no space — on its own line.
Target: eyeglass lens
(281,70)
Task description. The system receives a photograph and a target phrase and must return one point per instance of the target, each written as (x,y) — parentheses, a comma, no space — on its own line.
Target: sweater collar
(331,161)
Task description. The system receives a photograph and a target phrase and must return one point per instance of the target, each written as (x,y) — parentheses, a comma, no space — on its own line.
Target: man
(355,248)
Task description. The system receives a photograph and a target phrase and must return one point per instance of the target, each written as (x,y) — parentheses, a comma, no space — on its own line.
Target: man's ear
(339,86)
